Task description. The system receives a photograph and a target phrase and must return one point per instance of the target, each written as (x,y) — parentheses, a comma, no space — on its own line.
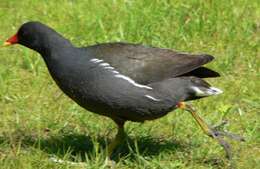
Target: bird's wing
(147,64)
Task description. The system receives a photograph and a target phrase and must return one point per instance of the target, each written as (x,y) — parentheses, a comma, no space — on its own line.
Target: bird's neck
(52,44)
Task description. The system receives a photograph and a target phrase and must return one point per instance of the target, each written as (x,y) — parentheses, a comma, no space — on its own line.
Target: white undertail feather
(203,91)
(216,90)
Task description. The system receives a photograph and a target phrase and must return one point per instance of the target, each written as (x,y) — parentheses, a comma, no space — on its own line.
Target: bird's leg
(212,132)
(120,137)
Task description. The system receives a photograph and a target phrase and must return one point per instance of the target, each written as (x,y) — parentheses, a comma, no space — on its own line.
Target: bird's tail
(185,88)
(199,88)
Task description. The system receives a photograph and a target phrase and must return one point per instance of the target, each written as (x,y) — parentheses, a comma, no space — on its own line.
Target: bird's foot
(60,161)
(216,133)
(109,163)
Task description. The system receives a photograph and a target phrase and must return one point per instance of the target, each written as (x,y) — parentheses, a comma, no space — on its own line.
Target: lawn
(38,122)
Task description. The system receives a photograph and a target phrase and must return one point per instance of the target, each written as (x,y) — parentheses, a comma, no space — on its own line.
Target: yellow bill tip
(7,43)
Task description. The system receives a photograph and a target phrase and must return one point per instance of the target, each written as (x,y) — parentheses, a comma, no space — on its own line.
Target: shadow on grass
(79,145)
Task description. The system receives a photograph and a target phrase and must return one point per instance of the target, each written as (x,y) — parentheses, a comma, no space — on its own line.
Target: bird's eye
(23,33)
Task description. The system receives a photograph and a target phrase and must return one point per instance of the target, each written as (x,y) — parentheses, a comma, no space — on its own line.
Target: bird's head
(29,34)
(36,36)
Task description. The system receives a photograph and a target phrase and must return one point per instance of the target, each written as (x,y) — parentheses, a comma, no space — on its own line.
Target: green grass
(37,121)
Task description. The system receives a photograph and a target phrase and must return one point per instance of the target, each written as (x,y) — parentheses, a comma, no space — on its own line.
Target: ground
(38,122)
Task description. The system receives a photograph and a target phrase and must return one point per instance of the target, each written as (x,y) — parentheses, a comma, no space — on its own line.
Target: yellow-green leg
(120,137)
(212,132)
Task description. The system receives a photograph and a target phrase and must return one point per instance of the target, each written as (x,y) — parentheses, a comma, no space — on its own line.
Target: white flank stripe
(116,72)
(108,67)
(152,98)
(104,64)
(96,60)
(132,81)
(118,75)
(99,61)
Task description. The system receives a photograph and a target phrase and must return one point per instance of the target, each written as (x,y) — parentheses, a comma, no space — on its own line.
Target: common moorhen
(126,82)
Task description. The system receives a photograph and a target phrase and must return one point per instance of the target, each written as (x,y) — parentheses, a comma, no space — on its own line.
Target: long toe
(218,131)
(229,135)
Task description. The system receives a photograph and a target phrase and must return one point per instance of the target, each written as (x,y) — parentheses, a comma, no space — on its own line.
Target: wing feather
(147,64)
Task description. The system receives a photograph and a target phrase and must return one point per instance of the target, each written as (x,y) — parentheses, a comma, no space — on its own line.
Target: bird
(124,81)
